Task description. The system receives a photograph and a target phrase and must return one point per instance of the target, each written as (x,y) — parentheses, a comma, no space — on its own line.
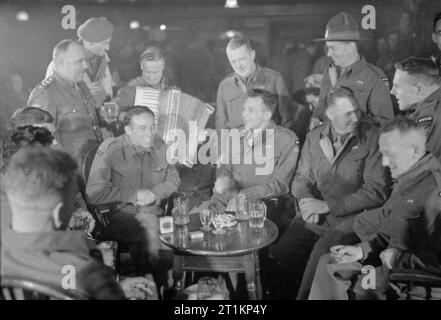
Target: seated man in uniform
(408,237)
(133,169)
(339,175)
(257,180)
(40,186)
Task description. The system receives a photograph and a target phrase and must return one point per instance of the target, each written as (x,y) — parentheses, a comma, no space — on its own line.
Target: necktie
(338,144)
(333,75)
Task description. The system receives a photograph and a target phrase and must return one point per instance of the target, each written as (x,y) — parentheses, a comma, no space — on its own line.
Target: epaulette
(46,82)
(105,145)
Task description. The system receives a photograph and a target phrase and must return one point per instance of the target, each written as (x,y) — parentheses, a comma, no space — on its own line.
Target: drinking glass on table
(241,208)
(218,222)
(257,213)
(206,216)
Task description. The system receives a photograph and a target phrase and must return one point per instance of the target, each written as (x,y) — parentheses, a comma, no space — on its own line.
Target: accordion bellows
(173,110)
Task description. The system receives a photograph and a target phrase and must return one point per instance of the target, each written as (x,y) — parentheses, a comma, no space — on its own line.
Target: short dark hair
(151,54)
(422,68)
(435,20)
(400,123)
(239,41)
(29,116)
(269,99)
(135,111)
(30,135)
(340,92)
(36,172)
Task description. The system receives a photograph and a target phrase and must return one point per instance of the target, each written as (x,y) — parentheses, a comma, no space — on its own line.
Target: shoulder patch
(425,121)
(46,82)
(385,81)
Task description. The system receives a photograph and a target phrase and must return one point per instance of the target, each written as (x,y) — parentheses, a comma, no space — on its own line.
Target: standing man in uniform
(95,35)
(68,99)
(349,69)
(152,64)
(248,75)
(339,175)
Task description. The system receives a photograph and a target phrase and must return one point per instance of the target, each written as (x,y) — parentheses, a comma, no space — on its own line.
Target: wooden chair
(412,278)
(16,288)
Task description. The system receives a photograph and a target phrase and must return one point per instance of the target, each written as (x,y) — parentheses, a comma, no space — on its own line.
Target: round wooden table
(234,251)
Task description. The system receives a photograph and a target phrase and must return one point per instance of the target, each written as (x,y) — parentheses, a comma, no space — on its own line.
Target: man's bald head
(69,59)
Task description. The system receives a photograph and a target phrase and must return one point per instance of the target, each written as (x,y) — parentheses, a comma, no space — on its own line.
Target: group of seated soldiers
(361,190)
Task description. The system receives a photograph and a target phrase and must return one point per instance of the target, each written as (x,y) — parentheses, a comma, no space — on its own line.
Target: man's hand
(346,254)
(311,206)
(314,219)
(388,257)
(137,287)
(144,197)
(95,87)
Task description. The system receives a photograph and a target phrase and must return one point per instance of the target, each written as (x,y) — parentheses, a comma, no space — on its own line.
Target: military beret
(95,30)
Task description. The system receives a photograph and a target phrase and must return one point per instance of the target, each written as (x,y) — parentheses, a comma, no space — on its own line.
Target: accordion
(174,111)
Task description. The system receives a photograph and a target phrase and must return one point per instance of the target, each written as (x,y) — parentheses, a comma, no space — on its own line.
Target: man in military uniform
(247,75)
(133,168)
(95,35)
(348,68)
(272,178)
(152,64)
(408,237)
(417,87)
(67,98)
(339,175)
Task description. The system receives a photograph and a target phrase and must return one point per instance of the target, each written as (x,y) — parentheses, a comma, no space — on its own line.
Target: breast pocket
(235,108)
(352,168)
(362,95)
(72,119)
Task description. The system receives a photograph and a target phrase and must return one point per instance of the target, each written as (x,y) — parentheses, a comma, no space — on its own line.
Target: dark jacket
(413,219)
(351,181)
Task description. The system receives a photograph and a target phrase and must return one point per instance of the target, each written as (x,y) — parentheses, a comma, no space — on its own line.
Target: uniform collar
(429,101)
(357,66)
(327,131)
(256,76)
(57,240)
(162,85)
(130,150)
(427,162)
(63,81)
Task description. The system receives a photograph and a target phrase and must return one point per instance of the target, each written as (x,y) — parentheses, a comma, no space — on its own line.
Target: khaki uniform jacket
(370,86)
(232,92)
(74,111)
(428,115)
(412,215)
(103,75)
(351,181)
(283,153)
(118,172)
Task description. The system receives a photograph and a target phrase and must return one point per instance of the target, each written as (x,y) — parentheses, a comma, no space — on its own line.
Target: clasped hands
(137,287)
(349,254)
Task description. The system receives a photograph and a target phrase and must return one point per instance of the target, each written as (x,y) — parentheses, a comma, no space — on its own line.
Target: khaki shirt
(428,115)
(126,95)
(370,86)
(349,181)
(119,171)
(232,93)
(74,111)
(283,153)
